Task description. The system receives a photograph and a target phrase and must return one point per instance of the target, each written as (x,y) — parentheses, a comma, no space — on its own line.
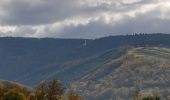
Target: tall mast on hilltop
(85,43)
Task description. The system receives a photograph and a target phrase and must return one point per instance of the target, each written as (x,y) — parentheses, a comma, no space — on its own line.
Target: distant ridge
(133,34)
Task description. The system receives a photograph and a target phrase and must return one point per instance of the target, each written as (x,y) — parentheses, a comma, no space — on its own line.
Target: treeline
(52,90)
(138,96)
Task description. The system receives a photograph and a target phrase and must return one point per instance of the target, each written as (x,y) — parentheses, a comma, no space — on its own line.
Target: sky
(82,18)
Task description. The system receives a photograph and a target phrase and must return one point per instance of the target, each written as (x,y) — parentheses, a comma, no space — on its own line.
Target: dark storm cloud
(27,12)
(35,12)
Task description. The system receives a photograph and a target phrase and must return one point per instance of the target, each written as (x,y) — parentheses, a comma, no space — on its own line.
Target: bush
(151,98)
(73,95)
(12,95)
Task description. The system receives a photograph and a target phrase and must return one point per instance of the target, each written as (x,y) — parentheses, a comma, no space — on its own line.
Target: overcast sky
(83,18)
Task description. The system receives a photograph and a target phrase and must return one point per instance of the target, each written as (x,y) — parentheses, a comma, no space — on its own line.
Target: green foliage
(151,98)
(12,95)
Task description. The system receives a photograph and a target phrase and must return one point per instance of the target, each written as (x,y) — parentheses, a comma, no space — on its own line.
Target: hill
(143,68)
(29,60)
(99,69)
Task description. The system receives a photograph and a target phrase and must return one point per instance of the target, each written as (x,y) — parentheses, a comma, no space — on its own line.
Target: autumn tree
(40,92)
(73,95)
(55,90)
(52,90)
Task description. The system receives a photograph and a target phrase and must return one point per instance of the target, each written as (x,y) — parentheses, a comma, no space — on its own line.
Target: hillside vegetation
(52,90)
(143,68)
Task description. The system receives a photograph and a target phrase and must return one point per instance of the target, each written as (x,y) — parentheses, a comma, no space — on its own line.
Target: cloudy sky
(82,18)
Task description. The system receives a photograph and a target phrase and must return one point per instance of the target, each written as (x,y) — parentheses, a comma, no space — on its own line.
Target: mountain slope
(75,70)
(105,68)
(148,68)
(30,60)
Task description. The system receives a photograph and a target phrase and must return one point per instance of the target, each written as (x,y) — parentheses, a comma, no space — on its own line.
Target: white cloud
(82,18)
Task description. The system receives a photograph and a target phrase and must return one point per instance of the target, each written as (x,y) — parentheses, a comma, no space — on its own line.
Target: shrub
(151,98)
(73,96)
(13,95)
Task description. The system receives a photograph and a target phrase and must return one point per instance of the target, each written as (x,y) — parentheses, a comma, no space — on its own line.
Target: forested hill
(29,60)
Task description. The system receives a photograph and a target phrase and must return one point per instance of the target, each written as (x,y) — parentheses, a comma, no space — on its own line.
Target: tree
(73,96)
(151,98)
(55,90)
(40,92)
(137,93)
(52,90)
(13,95)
